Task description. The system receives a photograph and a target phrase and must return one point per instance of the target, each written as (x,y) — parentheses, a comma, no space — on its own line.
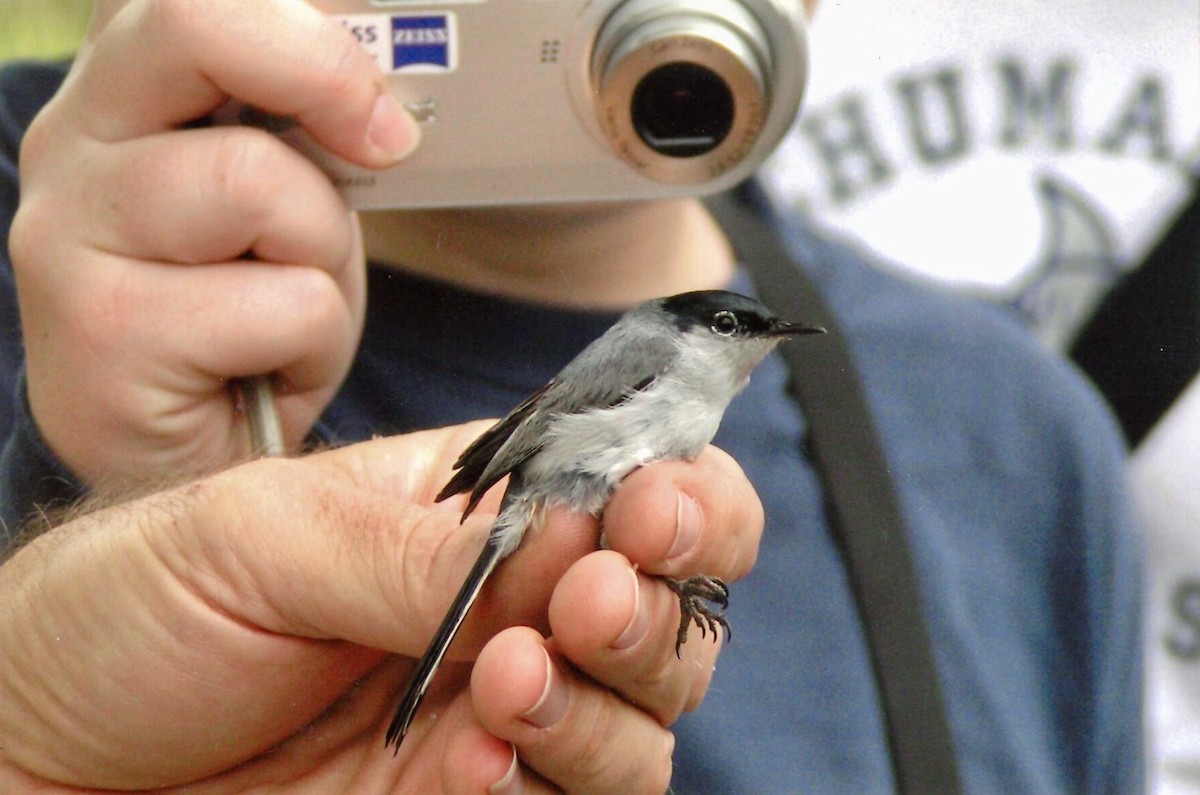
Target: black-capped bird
(652,388)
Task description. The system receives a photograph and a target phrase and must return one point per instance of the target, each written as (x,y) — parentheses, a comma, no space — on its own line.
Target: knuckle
(659,770)
(651,775)
(36,142)
(245,168)
(661,689)
(672,687)
(592,760)
(342,77)
(609,758)
(51,294)
(322,306)
(31,232)
(342,59)
(183,20)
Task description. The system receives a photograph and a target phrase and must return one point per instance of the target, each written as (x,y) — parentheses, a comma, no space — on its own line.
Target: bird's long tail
(493,552)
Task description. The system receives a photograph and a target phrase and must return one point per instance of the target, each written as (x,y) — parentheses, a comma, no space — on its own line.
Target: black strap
(861,504)
(1142,345)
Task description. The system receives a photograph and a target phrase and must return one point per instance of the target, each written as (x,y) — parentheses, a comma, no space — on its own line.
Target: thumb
(345,544)
(153,66)
(349,544)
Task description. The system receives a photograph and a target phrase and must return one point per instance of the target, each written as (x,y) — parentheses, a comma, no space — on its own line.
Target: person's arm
(255,628)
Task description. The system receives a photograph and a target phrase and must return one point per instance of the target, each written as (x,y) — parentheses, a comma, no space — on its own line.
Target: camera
(536,101)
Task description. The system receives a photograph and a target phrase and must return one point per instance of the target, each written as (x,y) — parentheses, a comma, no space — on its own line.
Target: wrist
(34,482)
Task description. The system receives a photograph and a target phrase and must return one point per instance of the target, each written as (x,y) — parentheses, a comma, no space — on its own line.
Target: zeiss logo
(424,43)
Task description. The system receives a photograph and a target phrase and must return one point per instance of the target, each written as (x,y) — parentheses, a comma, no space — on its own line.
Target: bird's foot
(694,593)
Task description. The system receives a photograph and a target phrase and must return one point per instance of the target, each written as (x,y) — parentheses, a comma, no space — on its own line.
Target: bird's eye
(725,323)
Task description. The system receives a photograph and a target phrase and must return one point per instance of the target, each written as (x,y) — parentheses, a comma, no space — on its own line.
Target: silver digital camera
(534,101)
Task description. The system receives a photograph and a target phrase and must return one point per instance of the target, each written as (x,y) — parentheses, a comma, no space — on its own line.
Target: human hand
(232,633)
(157,261)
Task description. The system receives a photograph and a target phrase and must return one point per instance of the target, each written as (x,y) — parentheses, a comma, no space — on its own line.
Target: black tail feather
(421,677)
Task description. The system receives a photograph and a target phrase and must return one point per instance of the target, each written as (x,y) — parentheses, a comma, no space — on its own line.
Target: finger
(619,627)
(565,728)
(161,63)
(212,195)
(677,517)
(446,751)
(380,562)
(477,762)
(211,324)
(224,321)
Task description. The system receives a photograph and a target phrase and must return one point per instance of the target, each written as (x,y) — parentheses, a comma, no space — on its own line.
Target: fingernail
(639,625)
(512,782)
(687,525)
(391,129)
(552,705)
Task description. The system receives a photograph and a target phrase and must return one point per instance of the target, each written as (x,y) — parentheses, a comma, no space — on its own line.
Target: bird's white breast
(586,454)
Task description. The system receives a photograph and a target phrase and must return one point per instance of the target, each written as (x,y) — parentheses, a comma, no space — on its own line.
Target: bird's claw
(694,593)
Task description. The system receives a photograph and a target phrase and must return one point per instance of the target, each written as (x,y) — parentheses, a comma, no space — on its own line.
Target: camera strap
(863,510)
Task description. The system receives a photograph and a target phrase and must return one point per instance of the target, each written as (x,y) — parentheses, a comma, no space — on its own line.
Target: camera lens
(680,87)
(682,109)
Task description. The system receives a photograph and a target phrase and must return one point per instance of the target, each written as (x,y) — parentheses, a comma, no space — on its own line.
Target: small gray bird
(654,387)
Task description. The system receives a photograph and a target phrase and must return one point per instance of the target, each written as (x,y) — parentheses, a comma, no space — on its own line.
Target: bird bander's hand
(158,259)
(275,665)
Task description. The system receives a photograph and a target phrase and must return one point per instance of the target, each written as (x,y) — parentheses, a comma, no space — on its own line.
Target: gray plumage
(654,387)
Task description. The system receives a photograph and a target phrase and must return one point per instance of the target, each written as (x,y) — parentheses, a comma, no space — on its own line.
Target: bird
(654,387)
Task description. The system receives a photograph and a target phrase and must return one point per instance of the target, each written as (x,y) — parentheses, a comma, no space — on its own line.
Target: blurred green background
(42,28)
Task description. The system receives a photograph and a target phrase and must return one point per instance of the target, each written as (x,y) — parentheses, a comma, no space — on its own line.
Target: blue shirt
(1009,473)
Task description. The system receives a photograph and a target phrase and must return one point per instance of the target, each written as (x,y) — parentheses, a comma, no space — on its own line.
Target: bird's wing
(599,377)
(603,376)
(474,473)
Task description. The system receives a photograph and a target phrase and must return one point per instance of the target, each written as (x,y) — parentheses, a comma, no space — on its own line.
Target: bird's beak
(784,328)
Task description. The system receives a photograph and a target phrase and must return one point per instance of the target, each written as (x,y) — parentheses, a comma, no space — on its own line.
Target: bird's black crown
(719,310)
